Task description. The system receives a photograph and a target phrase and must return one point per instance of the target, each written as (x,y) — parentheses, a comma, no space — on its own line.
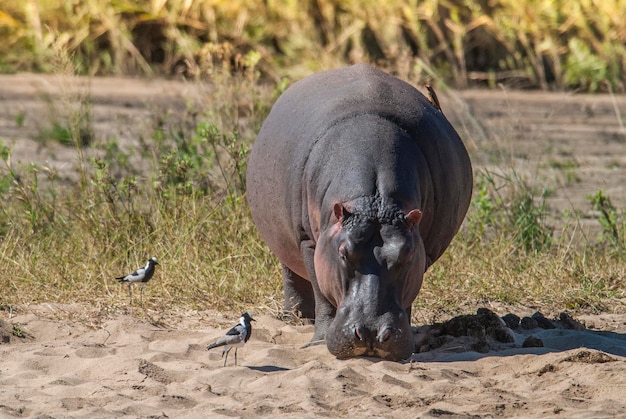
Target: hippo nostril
(385,334)
(359,332)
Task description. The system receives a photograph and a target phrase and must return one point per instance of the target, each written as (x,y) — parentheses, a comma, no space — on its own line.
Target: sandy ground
(125,366)
(64,361)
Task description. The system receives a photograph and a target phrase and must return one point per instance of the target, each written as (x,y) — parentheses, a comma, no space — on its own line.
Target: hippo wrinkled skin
(357,183)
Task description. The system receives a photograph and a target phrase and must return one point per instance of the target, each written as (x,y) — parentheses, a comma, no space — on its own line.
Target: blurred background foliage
(545,44)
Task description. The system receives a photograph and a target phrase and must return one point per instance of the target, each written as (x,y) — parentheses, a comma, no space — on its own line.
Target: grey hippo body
(357,183)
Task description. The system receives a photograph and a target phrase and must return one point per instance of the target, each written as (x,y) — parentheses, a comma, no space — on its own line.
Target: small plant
(6,176)
(509,208)
(482,214)
(57,133)
(568,168)
(205,161)
(69,134)
(527,217)
(20,118)
(118,159)
(612,230)
(230,145)
(21,188)
(17,331)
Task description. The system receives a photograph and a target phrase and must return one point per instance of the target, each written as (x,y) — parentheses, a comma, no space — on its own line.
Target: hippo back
(302,117)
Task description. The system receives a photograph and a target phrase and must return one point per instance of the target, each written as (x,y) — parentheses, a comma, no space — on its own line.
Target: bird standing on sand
(235,337)
(141,275)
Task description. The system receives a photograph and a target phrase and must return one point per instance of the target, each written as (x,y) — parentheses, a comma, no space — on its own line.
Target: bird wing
(136,276)
(238,330)
(226,340)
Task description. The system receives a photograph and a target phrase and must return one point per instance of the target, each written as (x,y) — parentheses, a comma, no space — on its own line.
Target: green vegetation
(17,331)
(546,44)
(508,253)
(613,223)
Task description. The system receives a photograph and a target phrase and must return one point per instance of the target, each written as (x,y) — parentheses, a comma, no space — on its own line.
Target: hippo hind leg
(299,296)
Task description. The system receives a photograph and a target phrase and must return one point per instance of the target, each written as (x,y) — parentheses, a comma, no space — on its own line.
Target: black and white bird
(235,337)
(140,276)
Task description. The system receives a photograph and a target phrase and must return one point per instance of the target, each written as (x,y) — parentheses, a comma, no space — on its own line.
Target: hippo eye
(343,252)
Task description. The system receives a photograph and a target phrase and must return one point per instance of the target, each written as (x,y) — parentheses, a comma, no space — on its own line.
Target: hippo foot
(296,319)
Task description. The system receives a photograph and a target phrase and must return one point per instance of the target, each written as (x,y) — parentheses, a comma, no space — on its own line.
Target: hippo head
(369,264)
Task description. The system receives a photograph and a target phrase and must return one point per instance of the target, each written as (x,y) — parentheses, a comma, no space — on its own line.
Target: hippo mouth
(353,340)
(368,352)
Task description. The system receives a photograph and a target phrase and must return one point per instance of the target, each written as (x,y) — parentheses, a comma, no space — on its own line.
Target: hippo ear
(413,218)
(340,211)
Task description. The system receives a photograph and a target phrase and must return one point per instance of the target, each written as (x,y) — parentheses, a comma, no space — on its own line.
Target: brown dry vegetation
(531,43)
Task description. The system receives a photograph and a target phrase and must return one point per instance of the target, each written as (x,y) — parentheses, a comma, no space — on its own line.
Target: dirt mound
(472,336)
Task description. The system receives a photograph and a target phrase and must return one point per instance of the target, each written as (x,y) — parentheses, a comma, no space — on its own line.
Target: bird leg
(226,351)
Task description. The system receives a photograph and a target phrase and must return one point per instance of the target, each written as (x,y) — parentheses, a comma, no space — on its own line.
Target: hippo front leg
(299,298)
(324,310)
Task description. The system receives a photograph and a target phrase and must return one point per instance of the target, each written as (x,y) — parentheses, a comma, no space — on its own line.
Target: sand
(70,363)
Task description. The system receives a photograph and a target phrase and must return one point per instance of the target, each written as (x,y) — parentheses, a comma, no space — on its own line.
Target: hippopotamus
(357,183)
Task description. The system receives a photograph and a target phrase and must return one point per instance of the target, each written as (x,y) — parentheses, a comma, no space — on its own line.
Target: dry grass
(65,240)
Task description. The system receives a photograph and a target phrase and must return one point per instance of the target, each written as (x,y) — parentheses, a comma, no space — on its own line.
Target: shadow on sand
(474,336)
